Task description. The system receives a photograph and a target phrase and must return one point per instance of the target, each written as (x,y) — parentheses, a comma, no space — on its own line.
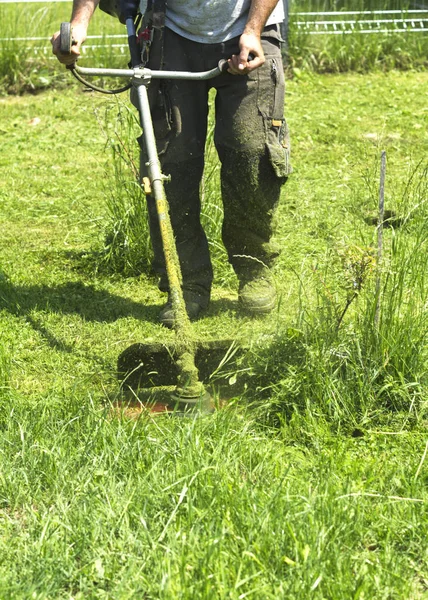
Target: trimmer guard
(145,366)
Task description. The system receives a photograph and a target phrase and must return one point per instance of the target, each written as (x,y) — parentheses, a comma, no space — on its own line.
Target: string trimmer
(138,364)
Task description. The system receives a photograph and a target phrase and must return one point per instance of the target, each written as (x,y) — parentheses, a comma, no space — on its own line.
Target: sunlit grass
(310,483)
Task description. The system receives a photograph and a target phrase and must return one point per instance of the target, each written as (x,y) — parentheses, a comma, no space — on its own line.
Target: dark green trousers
(252,142)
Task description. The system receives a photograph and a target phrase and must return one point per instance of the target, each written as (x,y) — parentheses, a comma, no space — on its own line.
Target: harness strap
(154,25)
(159,9)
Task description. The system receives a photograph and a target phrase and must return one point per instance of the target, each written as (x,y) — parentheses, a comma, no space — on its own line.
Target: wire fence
(366,22)
(323,6)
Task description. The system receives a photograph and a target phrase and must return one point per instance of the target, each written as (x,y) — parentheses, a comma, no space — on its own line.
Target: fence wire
(367,22)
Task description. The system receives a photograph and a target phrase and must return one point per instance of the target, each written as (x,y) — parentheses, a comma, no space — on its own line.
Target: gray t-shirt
(212,21)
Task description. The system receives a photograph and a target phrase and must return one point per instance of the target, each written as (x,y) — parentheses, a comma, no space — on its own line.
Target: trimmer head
(162,401)
(148,374)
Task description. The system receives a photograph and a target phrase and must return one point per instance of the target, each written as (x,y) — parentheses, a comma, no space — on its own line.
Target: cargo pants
(252,141)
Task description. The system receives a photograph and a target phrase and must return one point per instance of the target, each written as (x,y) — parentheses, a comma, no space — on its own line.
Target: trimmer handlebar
(147,74)
(138,72)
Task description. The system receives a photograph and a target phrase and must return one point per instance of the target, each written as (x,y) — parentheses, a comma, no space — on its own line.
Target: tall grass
(4,353)
(26,60)
(127,246)
(23,64)
(345,5)
(339,363)
(355,51)
(97,507)
(4,371)
(399,344)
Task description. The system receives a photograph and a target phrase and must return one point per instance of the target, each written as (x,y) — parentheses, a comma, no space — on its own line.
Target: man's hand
(79,36)
(251,55)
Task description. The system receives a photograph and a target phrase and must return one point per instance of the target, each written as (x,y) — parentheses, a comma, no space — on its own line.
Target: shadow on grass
(73,297)
(90,303)
(254,369)
(69,298)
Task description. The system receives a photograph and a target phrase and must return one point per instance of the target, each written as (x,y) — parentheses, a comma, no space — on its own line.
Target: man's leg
(252,142)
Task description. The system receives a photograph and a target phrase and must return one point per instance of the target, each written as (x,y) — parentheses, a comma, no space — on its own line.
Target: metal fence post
(284,24)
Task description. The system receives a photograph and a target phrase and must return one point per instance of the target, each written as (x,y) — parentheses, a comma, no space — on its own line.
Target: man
(251,138)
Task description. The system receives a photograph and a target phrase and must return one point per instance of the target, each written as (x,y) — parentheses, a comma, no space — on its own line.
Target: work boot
(195,304)
(257,295)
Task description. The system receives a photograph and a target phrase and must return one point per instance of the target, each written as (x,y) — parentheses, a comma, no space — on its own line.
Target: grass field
(310,483)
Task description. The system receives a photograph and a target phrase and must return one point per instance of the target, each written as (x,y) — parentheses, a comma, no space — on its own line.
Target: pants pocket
(270,103)
(278,146)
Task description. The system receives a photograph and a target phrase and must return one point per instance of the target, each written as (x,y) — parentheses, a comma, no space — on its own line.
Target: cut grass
(318,489)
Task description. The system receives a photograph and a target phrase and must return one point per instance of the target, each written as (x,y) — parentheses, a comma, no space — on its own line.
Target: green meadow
(311,480)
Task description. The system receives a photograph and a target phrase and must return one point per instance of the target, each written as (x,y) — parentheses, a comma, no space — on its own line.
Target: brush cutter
(142,367)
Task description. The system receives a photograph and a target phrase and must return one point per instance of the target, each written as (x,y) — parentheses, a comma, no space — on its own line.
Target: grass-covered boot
(195,304)
(257,295)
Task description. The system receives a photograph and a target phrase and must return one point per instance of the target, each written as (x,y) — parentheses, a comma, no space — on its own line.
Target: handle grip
(128,9)
(66,38)
(223,65)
